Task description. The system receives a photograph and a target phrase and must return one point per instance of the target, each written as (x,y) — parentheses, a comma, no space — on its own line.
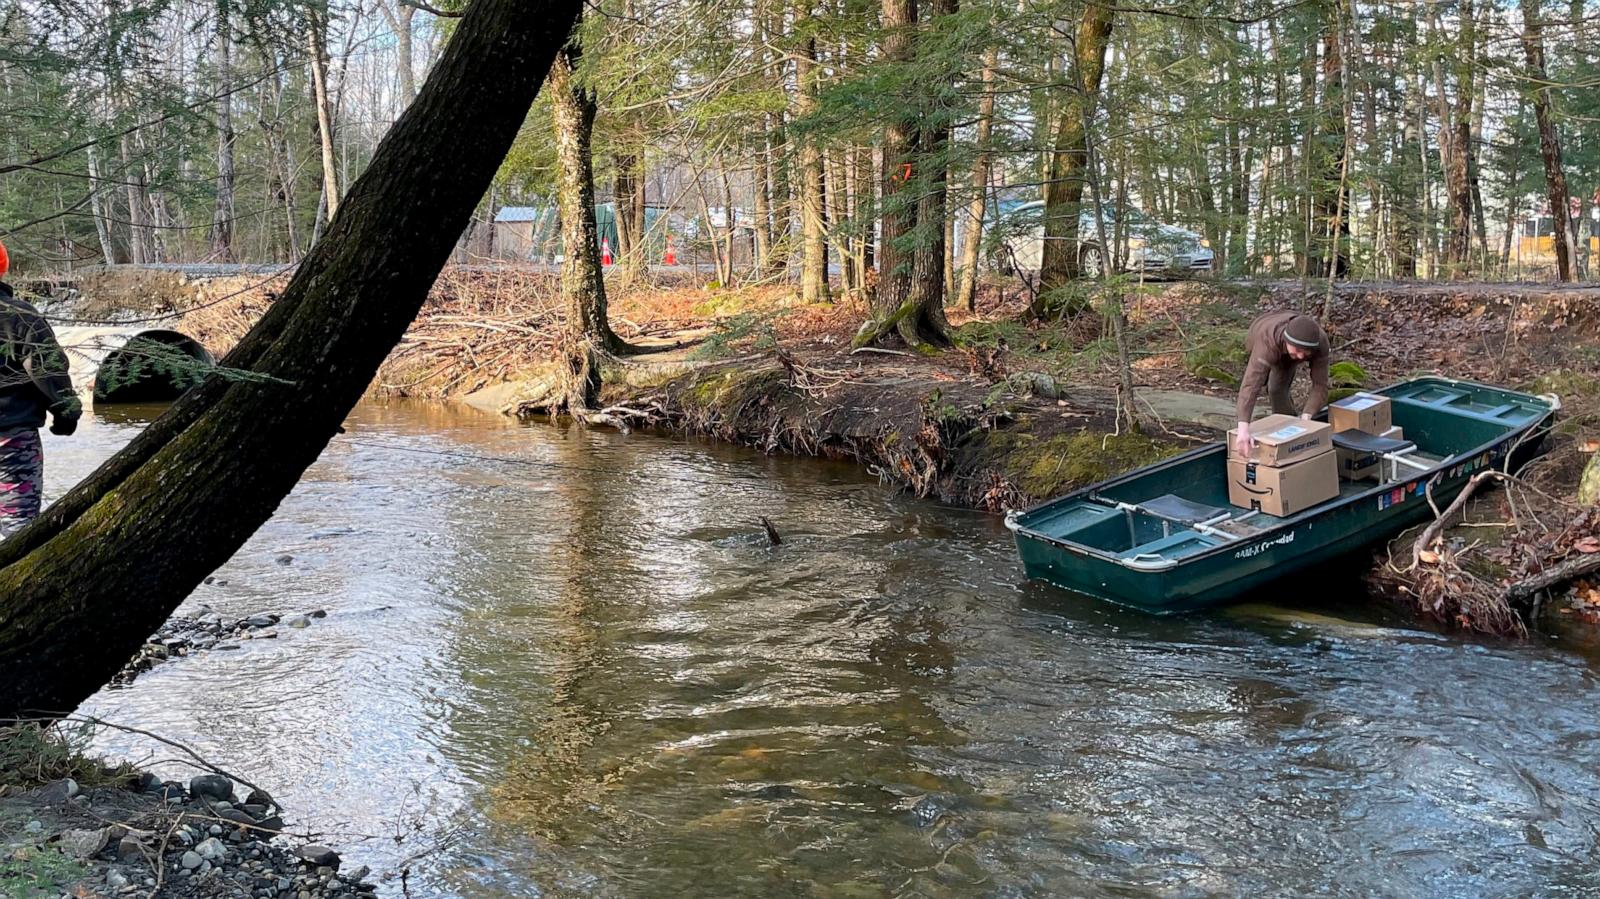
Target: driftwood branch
(1573,568)
(1430,535)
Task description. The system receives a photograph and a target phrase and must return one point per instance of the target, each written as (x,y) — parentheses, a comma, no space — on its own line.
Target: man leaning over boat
(1279,343)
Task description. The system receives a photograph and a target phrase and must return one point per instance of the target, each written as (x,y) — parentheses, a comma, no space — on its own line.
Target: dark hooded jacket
(33,368)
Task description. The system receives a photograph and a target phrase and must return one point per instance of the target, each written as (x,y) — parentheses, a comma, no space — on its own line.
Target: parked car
(1017,243)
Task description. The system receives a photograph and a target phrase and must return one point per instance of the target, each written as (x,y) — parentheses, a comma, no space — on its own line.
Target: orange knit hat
(5,261)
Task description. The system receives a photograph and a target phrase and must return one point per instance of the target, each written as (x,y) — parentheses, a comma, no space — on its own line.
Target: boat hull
(1248,564)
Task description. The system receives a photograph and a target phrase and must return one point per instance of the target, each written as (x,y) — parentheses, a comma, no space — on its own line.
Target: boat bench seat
(1175,507)
(1362,442)
(1175,546)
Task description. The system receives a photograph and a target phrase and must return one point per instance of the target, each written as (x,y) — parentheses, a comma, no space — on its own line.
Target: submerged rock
(211,786)
(320,856)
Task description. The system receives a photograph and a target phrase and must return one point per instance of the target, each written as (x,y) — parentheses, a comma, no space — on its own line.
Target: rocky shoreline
(153,838)
(209,631)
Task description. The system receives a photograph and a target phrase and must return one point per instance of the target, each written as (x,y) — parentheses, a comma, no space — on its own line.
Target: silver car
(1153,248)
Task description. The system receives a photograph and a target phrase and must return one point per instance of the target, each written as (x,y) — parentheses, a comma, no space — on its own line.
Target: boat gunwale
(1551,406)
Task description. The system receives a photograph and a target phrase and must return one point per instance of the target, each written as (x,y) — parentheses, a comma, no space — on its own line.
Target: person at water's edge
(1278,343)
(33,380)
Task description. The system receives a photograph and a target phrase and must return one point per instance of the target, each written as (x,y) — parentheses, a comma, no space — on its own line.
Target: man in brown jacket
(1279,342)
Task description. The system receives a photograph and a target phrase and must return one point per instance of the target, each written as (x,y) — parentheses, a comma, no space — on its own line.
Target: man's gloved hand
(63,425)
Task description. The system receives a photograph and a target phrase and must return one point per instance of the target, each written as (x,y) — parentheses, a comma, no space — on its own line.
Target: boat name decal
(1259,548)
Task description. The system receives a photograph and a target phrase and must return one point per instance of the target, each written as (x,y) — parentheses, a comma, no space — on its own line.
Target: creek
(586,672)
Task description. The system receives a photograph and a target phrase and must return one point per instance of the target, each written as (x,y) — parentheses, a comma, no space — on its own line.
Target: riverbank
(74,826)
(1019,411)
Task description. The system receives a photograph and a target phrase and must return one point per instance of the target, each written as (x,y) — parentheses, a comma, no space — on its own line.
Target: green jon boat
(1164,538)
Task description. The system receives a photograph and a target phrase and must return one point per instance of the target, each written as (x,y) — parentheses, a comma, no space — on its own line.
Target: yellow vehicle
(1536,241)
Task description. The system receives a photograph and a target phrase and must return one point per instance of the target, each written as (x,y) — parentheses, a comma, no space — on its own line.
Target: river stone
(298,621)
(257,797)
(211,849)
(263,620)
(130,849)
(285,559)
(321,856)
(84,843)
(211,786)
(270,825)
(243,819)
(190,860)
(116,880)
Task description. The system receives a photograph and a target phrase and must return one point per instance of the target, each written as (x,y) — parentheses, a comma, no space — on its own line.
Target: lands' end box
(1283,439)
(1283,490)
(1361,412)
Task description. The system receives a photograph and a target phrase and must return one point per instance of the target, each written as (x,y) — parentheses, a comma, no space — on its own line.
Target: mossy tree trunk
(1063,193)
(82,587)
(909,299)
(586,329)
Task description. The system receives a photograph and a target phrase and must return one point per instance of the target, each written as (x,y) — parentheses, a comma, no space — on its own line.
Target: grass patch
(32,755)
(35,873)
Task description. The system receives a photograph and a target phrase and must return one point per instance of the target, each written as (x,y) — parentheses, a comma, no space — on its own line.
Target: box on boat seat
(1367,412)
(1283,489)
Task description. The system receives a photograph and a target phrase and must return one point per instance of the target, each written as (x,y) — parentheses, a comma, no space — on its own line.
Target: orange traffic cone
(670,258)
(605,251)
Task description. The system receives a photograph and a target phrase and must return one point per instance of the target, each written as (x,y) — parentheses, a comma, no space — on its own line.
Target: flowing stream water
(587,673)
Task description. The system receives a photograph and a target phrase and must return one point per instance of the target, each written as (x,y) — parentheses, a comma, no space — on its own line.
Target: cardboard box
(1361,412)
(1358,466)
(1284,439)
(1283,490)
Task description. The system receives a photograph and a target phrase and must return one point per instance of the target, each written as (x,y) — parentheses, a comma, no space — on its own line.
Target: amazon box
(1355,465)
(1361,412)
(1286,489)
(1283,439)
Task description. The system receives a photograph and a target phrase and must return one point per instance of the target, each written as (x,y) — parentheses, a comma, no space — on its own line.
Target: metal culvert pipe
(125,364)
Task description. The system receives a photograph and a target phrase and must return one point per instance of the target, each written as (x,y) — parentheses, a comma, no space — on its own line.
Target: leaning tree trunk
(82,586)
(1555,177)
(1063,193)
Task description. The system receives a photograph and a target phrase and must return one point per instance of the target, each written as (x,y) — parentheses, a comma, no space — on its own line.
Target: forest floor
(1017,411)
